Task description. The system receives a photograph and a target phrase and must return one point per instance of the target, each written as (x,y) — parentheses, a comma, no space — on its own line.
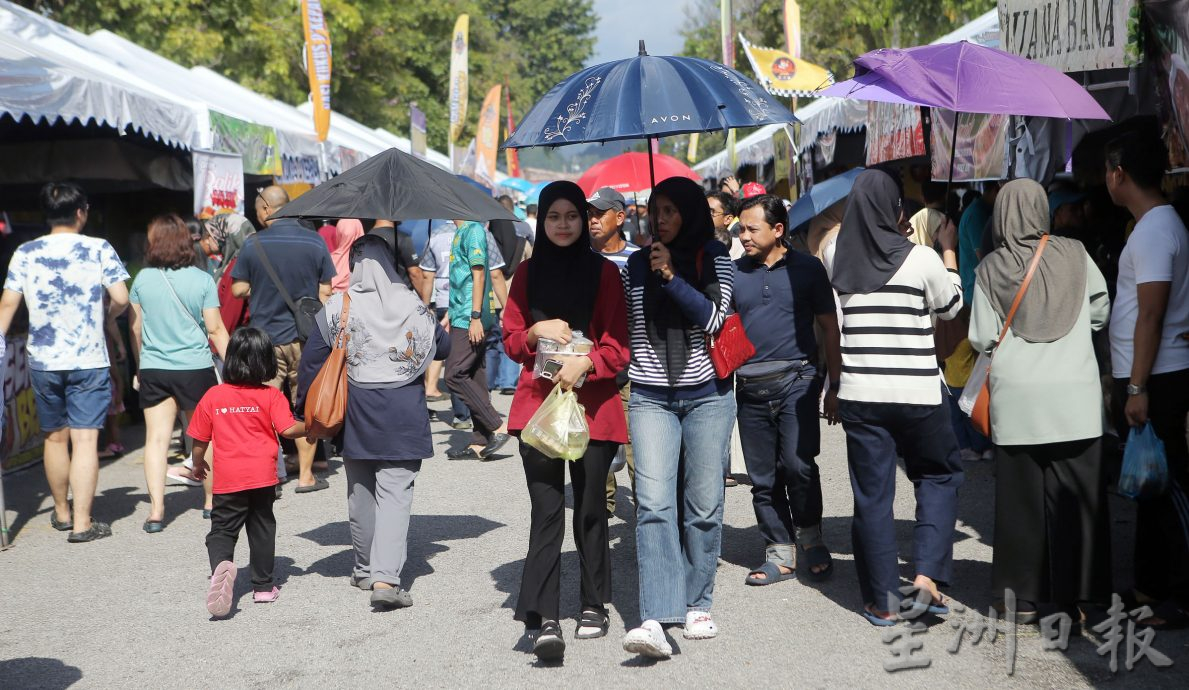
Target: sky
(622,23)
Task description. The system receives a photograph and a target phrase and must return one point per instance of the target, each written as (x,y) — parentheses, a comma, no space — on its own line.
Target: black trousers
(466,377)
(229,514)
(540,585)
(1162,523)
(1052,526)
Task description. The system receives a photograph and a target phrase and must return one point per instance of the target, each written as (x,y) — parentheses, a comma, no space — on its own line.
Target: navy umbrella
(646,97)
(822,196)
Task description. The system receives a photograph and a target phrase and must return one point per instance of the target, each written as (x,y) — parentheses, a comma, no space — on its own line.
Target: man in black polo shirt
(302,263)
(780,294)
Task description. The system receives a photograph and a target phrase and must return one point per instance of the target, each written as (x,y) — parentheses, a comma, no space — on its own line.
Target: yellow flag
(792,28)
(691,154)
(458,77)
(784,75)
(487,139)
(317,36)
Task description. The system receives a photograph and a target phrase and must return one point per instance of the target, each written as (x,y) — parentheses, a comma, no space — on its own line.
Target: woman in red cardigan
(567,288)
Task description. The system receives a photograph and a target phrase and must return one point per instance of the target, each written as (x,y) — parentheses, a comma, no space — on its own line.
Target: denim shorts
(75,399)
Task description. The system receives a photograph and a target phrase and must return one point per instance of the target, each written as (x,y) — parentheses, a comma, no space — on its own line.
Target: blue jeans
(677,546)
(781,437)
(502,372)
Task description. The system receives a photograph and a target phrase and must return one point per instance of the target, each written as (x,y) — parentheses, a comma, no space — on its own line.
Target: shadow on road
(425,534)
(38,672)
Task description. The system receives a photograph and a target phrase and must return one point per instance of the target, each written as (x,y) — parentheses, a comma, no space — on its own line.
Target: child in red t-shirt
(244,416)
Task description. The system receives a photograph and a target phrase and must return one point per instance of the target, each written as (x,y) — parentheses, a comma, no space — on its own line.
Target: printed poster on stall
(21,439)
(894,131)
(218,183)
(980,149)
(1169,51)
(417,145)
(782,155)
(257,144)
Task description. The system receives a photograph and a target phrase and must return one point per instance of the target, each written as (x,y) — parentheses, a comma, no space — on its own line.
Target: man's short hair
(774,210)
(729,203)
(932,192)
(531,209)
(1141,154)
(61,202)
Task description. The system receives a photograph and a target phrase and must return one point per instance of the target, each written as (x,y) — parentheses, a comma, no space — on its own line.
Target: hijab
(563,282)
(1053,302)
(925,223)
(346,232)
(229,231)
(392,335)
(670,333)
(870,247)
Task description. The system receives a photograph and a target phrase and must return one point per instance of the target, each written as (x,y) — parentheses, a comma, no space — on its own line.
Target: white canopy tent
(49,73)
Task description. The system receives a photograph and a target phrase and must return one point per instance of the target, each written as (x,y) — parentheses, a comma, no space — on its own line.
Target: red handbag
(730,349)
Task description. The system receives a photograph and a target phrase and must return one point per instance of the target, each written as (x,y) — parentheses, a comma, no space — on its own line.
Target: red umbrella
(629,172)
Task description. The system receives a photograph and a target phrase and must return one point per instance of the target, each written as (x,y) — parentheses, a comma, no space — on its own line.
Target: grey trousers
(379,503)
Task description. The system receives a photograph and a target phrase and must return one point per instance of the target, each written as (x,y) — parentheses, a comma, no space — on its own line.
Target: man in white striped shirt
(890,398)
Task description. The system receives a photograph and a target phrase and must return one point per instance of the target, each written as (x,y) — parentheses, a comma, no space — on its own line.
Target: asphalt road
(128,611)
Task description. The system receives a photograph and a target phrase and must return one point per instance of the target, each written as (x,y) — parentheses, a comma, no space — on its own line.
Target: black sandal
(549,645)
(592,618)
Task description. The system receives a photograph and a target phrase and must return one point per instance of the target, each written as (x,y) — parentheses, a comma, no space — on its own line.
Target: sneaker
(648,640)
(988,455)
(266,597)
(462,424)
(98,530)
(364,583)
(549,645)
(699,626)
(218,597)
(968,455)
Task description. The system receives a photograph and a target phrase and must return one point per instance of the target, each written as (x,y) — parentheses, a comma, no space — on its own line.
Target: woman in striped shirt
(890,398)
(681,414)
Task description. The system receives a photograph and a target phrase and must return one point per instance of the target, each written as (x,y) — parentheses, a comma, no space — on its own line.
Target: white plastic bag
(974,384)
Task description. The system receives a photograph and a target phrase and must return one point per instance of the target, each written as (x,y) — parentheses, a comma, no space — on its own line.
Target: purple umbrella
(969,78)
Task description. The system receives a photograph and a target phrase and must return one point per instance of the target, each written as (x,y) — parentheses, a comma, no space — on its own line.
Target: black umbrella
(395,186)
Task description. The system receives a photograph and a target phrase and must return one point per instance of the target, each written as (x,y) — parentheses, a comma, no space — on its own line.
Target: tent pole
(4,543)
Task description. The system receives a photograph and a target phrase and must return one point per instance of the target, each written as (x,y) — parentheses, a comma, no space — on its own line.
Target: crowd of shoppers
(845,317)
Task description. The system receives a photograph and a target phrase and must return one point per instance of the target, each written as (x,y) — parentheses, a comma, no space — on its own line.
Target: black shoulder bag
(305,309)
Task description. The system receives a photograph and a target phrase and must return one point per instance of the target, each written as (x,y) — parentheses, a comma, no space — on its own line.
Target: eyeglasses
(715,212)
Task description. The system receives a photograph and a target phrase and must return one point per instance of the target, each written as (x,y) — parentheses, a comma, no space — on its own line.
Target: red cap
(753,189)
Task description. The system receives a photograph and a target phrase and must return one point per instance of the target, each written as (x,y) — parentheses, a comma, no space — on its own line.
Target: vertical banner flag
(728,34)
(218,183)
(691,154)
(417,145)
(511,155)
(488,137)
(732,156)
(458,78)
(792,27)
(317,36)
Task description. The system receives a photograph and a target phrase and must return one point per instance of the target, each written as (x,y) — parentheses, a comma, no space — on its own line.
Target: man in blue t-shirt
(302,264)
(780,295)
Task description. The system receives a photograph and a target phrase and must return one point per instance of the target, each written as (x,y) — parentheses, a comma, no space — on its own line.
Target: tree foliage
(833,32)
(386,55)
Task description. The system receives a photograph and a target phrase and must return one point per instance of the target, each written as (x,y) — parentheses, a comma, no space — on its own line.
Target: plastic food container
(551,349)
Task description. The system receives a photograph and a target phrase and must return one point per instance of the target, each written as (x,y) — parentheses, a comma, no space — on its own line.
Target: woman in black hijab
(679,293)
(891,394)
(566,287)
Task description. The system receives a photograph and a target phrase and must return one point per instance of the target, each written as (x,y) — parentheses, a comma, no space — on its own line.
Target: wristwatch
(1133,389)
(476,315)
